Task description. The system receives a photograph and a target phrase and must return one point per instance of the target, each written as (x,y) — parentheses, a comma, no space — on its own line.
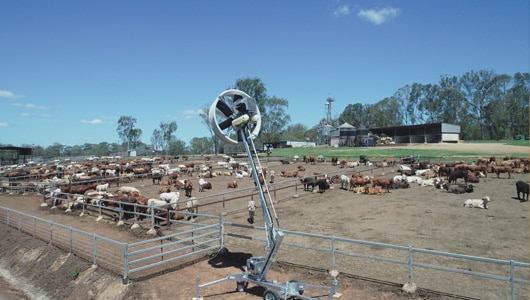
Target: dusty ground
(422,217)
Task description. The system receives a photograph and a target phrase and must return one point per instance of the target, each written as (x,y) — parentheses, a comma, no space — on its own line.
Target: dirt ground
(422,217)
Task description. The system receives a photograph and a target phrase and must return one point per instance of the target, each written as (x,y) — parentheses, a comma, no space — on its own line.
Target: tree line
(486,105)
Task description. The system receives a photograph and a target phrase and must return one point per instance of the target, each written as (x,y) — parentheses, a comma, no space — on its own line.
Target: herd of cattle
(455,177)
(72,185)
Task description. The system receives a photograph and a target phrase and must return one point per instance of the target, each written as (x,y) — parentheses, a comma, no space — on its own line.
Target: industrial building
(347,135)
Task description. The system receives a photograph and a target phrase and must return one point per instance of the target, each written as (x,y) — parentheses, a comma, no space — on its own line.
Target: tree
(480,88)
(274,119)
(177,147)
(384,113)
(55,150)
(430,103)
(407,103)
(125,130)
(453,107)
(274,116)
(517,104)
(167,130)
(355,115)
(254,87)
(135,137)
(296,132)
(157,139)
(201,145)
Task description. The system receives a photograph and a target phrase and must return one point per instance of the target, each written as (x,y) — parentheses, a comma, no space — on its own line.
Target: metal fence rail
(118,257)
(356,257)
(491,278)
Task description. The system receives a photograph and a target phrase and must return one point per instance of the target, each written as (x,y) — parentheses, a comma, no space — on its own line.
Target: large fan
(231,111)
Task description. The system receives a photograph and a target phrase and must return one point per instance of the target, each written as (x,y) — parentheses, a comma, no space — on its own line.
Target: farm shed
(423,133)
(12,154)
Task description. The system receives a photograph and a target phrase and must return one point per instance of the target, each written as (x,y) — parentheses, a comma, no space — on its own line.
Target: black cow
(457,174)
(522,188)
(157,177)
(323,185)
(308,182)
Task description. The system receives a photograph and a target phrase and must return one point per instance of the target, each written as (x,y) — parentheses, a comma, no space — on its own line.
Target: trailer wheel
(297,283)
(271,295)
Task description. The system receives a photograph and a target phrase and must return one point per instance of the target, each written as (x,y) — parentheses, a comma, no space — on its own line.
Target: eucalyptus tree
(481,88)
(355,115)
(164,136)
(296,132)
(177,147)
(453,105)
(135,137)
(202,145)
(55,150)
(407,97)
(126,130)
(157,139)
(384,113)
(517,103)
(430,104)
(273,110)
(274,118)
(254,87)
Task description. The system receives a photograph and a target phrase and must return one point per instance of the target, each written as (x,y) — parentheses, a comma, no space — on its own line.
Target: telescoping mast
(235,118)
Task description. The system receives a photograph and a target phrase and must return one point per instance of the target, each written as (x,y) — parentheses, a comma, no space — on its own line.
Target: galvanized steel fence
(120,257)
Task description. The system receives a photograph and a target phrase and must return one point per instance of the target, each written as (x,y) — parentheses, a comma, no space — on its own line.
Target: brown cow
(358,181)
(502,169)
(382,182)
(289,174)
(231,185)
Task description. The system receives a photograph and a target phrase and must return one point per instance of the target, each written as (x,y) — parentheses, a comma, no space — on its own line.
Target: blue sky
(70,69)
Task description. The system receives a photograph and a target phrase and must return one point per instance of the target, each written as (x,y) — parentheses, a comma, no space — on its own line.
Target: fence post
(70,240)
(222,231)
(19,222)
(125,280)
(512,279)
(333,253)
(410,287)
(34,227)
(94,244)
(410,265)
(51,233)
(152,211)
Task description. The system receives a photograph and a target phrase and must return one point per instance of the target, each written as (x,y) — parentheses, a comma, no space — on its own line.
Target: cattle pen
(502,279)
(338,229)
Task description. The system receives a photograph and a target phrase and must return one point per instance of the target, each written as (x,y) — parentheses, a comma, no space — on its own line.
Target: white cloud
(190,112)
(3,124)
(24,114)
(378,17)
(28,106)
(10,95)
(95,121)
(34,106)
(342,10)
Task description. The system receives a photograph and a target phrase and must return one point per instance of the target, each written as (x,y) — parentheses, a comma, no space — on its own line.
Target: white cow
(171,197)
(477,203)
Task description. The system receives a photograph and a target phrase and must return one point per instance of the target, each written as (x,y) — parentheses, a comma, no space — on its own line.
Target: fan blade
(226,123)
(224,108)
